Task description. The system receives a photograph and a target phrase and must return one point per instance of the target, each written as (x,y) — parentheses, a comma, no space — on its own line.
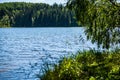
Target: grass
(86,65)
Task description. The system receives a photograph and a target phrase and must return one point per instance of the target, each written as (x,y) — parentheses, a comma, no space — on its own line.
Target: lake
(23,51)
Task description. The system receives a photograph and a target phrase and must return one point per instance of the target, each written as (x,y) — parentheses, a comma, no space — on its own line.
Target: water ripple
(23,51)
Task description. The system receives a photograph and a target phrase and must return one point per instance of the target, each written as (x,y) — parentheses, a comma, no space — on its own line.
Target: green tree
(22,14)
(5,21)
(101,19)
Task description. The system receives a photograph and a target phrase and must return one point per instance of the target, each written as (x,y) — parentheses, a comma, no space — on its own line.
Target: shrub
(87,65)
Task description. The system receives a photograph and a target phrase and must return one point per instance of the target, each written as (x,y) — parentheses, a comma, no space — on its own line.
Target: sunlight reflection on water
(24,50)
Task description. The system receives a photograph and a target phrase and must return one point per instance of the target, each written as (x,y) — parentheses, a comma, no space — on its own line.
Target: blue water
(23,51)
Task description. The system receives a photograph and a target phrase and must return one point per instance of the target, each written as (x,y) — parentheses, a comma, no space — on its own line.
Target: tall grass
(86,65)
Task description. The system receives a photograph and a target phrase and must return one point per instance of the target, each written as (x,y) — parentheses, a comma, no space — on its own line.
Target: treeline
(20,14)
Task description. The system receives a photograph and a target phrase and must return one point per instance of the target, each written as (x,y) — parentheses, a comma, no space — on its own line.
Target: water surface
(24,50)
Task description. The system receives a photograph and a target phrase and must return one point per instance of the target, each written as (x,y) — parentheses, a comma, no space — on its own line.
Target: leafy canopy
(101,19)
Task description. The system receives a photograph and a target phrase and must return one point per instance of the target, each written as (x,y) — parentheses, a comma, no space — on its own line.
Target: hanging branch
(113,3)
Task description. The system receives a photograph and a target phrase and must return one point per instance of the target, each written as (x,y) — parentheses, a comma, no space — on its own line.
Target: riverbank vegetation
(21,14)
(86,65)
(101,19)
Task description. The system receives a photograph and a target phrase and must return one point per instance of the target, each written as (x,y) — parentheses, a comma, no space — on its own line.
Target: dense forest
(21,14)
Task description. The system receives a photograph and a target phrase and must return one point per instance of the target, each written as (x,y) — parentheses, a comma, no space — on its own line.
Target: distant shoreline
(42,27)
(33,15)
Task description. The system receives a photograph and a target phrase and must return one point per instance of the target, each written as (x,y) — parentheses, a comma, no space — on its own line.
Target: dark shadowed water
(24,50)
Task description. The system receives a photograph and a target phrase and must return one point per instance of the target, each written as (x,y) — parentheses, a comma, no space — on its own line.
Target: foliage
(101,18)
(87,65)
(20,14)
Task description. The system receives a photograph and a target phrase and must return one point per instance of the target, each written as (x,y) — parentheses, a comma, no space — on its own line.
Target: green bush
(86,65)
